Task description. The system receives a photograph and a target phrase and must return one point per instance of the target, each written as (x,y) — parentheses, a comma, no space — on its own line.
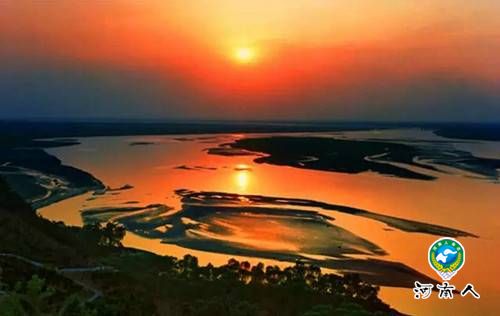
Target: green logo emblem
(446,257)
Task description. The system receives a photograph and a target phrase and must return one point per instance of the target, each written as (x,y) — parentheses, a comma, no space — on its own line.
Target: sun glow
(242,177)
(244,55)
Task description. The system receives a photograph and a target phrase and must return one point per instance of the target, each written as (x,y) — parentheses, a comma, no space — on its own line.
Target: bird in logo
(443,256)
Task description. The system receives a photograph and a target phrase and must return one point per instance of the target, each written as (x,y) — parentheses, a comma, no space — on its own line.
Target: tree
(321,310)
(113,234)
(110,234)
(188,266)
(258,274)
(34,298)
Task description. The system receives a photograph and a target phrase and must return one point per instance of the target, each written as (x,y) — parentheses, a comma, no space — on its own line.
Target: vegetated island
(410,161)
(488,132)
(47,267)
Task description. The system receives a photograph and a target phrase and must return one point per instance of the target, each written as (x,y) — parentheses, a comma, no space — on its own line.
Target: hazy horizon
(153,120)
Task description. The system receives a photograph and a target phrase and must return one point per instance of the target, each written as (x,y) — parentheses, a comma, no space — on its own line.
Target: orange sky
(317,54)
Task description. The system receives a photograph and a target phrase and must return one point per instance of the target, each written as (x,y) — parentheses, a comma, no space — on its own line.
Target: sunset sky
(260,59)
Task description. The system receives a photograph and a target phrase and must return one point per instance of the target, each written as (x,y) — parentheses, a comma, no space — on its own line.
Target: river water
(157,166)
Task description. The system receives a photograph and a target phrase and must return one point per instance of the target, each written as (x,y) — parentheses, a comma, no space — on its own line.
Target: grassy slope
(26,234)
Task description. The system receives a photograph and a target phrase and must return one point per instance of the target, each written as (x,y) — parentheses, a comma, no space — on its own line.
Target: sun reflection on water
(242,177)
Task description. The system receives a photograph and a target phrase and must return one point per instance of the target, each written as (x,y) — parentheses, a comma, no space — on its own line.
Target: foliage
(110,234)
(301,276)
(35,298)
(320,310)
(345,309)
(182,287)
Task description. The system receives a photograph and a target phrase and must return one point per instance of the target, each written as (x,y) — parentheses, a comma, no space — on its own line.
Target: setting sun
(244,54)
